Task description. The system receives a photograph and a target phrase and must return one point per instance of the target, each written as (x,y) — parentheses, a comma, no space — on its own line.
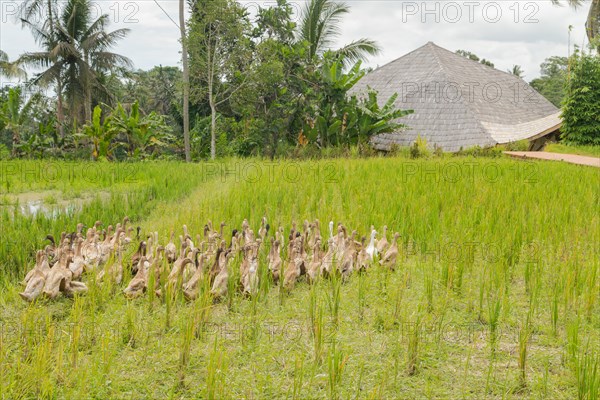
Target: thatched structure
(458,103)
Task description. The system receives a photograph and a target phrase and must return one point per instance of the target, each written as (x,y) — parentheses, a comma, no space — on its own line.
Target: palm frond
(357,51)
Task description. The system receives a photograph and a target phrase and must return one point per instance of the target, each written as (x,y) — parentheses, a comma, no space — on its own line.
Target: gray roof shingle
(458,103)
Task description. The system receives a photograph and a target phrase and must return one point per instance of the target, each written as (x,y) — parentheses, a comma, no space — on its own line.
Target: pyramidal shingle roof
(458,103)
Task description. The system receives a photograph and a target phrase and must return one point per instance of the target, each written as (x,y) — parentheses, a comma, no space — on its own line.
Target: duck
(263,231)
(382,244)
(75,287)
(363,259)
(191,288)
(137,256)
(178,267)
(330,229)
(314,267)
(275,260)
(250,280)
(58,278)
(371,249)
(292,273)
(219,287)
(37,278)
(346,266)
(41,265)
(391,254)
(77,266)
(171,249)
(137,286)
(328,258)
(113,271)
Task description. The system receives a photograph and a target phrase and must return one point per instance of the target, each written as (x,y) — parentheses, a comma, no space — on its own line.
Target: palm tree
(320,26)
(186,83)
(10,70)
(75,55)
(593,21)
(517,71)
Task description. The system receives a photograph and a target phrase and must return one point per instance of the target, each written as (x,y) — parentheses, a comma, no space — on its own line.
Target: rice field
(496,293)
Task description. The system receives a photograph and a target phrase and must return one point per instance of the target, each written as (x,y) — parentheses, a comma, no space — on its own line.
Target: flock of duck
(61,266)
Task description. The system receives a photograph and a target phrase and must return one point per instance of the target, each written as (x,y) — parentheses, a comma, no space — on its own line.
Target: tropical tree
(16,113)
(186,82)
(551,83)
(320,28)
(474,57)
(517,71)
(593,20)
(10,70)
(75,54)
(219,47)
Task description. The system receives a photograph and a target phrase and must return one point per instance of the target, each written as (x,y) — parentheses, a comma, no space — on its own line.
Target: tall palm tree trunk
(59,109)
(593,21)
(186,83)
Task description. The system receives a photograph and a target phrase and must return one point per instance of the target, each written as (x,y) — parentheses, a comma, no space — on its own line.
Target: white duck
(371,249)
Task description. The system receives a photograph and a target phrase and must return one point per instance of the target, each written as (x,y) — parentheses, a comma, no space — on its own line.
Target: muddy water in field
(51,203)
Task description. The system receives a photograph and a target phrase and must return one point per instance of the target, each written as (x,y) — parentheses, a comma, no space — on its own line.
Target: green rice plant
(187,334)
(169,297)
(333,300)
(494,308)
(361,295)
(554,309)
(298,375)
(317,324)
(414,339)
(524,336)
(130,332)
(336,360)
(151,293)
(587,373)
(216,371)
(428,283)
(76,325)
(572,346)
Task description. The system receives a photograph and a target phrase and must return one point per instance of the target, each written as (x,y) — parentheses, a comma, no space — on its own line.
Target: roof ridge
(447,77)
(401,57)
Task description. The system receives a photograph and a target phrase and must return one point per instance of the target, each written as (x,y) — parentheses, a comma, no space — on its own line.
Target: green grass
(592,151)
(495,296)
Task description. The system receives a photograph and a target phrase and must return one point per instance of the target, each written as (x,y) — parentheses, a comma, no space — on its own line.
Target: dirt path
(570,158)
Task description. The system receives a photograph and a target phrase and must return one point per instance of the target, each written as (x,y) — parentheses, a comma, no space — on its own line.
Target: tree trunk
(593,22)
(186,83)
(213,129)
(87,104)
(59,110)
(15,143)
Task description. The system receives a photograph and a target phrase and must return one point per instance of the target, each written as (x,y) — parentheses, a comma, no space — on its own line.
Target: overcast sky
(505,32)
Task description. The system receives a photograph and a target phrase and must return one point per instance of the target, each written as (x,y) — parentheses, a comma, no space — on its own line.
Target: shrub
(419,148)
(478,151)
(521,145)
(581,106)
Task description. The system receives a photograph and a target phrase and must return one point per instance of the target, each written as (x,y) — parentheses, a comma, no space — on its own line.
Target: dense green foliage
(266,86)
(490,297)
(551,83)
(581,106)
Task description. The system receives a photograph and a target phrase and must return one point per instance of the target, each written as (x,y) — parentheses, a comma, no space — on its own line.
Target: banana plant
(141,133)
(100,134)
(16,114)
